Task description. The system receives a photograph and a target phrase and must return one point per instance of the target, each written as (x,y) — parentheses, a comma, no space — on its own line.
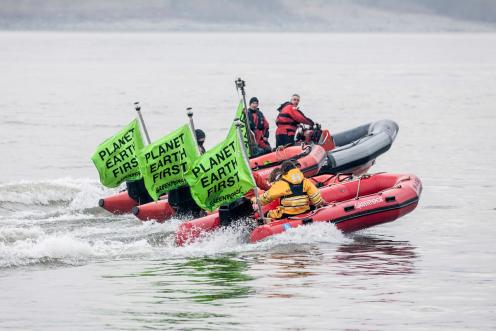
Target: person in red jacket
(288,119)
(259,126)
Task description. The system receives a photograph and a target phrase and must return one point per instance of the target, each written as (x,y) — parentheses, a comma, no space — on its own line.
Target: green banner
(164,162)
(115,158)
(240,114)
(220,176)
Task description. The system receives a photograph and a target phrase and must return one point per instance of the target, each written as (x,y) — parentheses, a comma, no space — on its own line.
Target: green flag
(164,162)
(240,114)
(115,158)
(221,175)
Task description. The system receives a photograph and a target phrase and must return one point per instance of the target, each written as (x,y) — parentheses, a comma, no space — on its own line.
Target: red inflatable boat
(353,205)
(311,158)
(352,151)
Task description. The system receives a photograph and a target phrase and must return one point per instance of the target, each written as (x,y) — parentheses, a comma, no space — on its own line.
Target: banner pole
(245,158)
(240,84)
(192,126)
(137,107)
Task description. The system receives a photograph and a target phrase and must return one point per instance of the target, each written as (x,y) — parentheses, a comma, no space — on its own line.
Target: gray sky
(253,15)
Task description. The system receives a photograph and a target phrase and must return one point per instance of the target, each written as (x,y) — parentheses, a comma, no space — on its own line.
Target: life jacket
(260,128)
(288,119)
(296,202)
(284,120)
(284,104)
(296,194)
(258,116)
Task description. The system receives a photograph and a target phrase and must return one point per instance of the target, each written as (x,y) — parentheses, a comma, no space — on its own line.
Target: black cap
(254,99)
(200,135)
(288,165)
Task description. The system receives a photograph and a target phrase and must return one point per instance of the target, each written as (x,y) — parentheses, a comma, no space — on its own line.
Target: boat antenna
(137,107)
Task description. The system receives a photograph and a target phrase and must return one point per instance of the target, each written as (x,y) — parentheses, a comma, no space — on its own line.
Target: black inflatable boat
(356,149)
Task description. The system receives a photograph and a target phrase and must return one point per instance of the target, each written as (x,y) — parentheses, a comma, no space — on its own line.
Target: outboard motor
(308,134)
(234,211)
(317,132)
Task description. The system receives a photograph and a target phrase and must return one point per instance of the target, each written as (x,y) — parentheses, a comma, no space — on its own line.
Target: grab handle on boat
(346,176)
(307,149)
(348,208)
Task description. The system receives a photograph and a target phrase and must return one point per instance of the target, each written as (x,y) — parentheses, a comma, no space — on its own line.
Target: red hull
(310,163)
(380,199)
(158,210)
(119,203)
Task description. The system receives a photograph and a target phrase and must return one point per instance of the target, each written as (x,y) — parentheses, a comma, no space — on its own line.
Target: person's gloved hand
(254,203)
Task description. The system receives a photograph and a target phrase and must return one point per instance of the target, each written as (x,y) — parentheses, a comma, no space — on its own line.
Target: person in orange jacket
(287,121)
(296,192)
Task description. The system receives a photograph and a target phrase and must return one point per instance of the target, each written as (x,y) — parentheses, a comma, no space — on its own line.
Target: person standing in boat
(200,139)
(137,191)
(259,126)
(296,192)
(180,198)
(287,121)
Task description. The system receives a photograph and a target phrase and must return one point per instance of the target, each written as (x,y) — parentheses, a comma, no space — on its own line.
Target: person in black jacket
(259,126)
(180,198)
(200,139)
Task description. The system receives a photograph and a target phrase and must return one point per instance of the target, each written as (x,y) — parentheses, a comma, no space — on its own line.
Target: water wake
(56,222)
(235,240)
(75,194)
(67,249)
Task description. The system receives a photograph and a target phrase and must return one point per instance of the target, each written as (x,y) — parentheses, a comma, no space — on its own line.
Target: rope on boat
(358,190)
(364,176)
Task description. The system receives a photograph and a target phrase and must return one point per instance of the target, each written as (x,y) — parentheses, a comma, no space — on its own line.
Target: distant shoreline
(378,32)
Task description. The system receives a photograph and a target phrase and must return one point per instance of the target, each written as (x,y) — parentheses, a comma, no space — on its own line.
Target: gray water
(66,264)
